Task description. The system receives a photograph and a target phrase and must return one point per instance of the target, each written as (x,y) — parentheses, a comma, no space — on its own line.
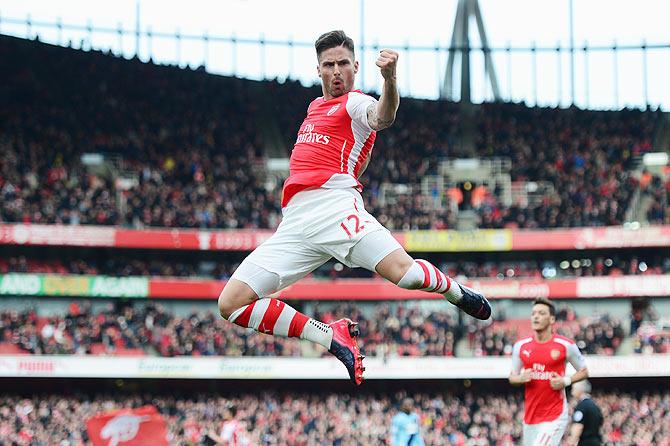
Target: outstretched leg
(400,268)
(240,304)
(419,274)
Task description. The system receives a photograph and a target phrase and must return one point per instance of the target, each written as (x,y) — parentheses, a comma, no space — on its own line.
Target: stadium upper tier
(290,418)
(183,148)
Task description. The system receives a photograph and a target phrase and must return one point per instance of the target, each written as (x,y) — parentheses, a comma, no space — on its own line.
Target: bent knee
(234,296)
(403,265)
(225,306)
(229,303)
(395,266)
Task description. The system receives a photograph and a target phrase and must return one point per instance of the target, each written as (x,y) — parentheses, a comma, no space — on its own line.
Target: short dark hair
(331,39)
(547,302)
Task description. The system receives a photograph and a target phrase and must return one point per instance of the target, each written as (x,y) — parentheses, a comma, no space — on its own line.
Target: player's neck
(328,97)
(544,335)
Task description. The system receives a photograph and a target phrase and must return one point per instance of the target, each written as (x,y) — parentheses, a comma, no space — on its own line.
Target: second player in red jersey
(539,363)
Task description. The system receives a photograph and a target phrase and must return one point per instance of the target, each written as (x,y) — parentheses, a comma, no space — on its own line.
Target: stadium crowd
(386,331)
(121,266)
(586,155)
(650,338)
(282,419)
(153,330)
(192,147)
(596,335)
(189,139)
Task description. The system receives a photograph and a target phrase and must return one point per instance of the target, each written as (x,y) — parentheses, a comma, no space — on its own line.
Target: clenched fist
(525,376)
(387,61)
(556,381)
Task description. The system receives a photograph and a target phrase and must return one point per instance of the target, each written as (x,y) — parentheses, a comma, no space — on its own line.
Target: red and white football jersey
(233,434)
(333,143)
(544,359)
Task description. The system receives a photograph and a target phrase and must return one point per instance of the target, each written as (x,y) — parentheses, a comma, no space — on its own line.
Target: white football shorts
(317,225)
(548,433)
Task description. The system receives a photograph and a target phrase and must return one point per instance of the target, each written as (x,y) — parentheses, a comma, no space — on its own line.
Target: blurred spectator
(650,338)
(658,193)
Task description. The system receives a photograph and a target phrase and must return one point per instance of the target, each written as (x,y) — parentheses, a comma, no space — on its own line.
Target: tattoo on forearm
(376,121)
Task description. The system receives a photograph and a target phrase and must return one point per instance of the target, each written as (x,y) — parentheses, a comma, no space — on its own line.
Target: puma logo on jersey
(526,352)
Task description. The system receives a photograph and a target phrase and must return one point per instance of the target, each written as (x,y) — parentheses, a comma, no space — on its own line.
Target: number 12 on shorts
(352,224)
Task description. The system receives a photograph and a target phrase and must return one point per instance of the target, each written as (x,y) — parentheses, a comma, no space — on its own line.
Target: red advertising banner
(229,240)
(591,238)
(624,286)
(46,285)
(491,240)
(157,239)
(128,427)
(364,289)
(379,289)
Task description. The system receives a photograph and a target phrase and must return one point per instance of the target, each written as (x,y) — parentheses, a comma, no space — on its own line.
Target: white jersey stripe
(342,156)
(517,364)
(357,106)
(359,141)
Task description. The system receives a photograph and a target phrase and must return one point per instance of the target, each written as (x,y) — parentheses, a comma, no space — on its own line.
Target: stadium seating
(294,418)
(185,149)
(405,331)
(599,335)
(193,147)
(614,265)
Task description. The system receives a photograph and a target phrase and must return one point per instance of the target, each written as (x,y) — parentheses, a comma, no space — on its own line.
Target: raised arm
(382,114)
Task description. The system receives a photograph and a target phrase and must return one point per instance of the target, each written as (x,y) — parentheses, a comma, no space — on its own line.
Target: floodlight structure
(460,47)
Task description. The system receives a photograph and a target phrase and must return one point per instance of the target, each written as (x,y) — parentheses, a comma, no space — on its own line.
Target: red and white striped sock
(425,276)
(272,316)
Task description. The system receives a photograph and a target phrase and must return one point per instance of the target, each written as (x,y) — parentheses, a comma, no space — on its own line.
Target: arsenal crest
(555,354)
(333,109)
